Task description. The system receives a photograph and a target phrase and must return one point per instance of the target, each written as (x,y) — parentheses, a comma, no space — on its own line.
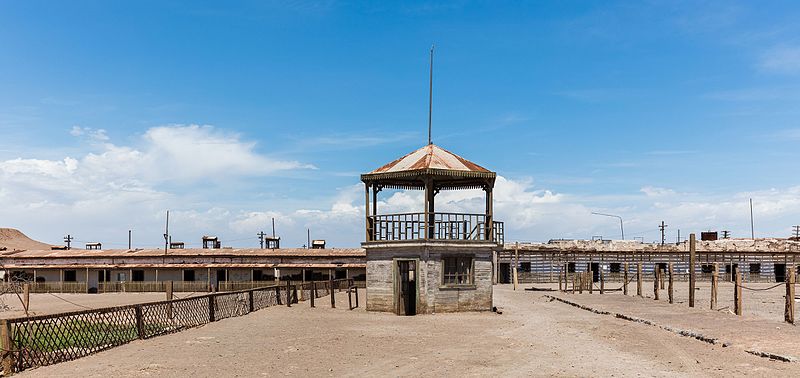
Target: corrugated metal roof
(431,157)
(281,252)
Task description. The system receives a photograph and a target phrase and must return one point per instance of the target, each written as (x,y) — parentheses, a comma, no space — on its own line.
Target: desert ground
(534,335)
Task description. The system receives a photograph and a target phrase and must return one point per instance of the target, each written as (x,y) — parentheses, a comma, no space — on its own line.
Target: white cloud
(652,191)
(781,59)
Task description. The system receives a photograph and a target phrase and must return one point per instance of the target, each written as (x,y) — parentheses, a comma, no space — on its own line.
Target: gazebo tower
(430,261)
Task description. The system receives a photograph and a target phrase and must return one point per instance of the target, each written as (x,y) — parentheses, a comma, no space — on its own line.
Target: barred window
(457,270)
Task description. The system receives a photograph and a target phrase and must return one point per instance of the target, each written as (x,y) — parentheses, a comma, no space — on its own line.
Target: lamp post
(621,229)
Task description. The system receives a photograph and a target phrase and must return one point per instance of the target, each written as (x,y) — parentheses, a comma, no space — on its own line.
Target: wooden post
(168,290)
(208,278)
(656,274)
(789,311)
(278,295)
(211,312)
(8,348)
(737,293)
(714,283)
(671,279)
(288,293)
(139,321)
(580,287)
(625,280)
(333,293)
(661,274)
(494,268)
(313,293)
(590,279)
(26,297)
(639,279)
(250,305)
(602,280)
(692,252)
(516,264)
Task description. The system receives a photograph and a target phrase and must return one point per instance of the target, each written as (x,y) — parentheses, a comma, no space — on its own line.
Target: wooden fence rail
(34,341)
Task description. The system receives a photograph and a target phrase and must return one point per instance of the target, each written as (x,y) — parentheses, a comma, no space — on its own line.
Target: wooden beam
(692,253)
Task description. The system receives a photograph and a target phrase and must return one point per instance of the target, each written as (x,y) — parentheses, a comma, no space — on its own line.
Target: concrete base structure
(408,277)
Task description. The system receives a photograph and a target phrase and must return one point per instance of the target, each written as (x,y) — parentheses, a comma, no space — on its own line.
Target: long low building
(206,267)
(765,259)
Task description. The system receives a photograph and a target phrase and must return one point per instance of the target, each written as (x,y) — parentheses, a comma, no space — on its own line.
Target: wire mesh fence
(35,341)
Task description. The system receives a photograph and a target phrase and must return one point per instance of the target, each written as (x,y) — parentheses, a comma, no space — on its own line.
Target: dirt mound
(13,239)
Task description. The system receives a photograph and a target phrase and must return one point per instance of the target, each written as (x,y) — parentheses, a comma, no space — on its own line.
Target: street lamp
(621,229)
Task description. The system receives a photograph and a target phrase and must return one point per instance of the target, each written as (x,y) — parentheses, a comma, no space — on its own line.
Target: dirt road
(532,337)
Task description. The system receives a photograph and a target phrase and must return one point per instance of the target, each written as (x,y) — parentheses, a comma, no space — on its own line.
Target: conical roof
(432,161)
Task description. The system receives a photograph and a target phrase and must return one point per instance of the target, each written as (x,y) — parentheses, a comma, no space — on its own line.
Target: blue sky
(232,113)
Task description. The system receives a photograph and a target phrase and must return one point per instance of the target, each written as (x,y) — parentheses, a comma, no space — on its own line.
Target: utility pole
(309,239)
(273,227)
(621,228)
(166,235)
(679,236)
(261,239)
(663,228)
(129,239)
(68,240)
(796,232)
(752,227)
(726,234)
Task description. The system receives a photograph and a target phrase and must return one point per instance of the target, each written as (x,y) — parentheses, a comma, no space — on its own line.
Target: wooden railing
(438,226)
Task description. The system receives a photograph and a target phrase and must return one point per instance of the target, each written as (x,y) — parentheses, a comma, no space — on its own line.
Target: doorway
(222,276)
(780,272)
(407,290)
(504,269)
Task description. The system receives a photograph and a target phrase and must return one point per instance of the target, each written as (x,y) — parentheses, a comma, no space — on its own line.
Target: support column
(489,214)
(368,236)
(692,252)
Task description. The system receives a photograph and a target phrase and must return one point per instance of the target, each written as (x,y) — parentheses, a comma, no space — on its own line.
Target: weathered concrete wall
(433,295)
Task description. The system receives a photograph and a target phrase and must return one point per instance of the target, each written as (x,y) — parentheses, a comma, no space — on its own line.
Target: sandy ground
(42,304)
(534,336)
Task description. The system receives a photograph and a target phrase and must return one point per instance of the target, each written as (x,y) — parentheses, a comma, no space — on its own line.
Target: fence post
(168,290)
(639,279)
(671,279)
(714,283)
(625,280)
(333,293)
(295,298)
(350,298)
(559,281)
(288,293)
(211,315)
(139,322)
(582,284)
(8,348)
(313,293)
(590,279)
(661,274)
(602,280)
(278,294)
(789,312)
(356,288)
(252,306)
(656,274)
(737,293)
(692,253)
(26,296)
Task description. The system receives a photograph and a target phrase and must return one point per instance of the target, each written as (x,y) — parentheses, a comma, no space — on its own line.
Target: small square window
(457,270)
(70,276)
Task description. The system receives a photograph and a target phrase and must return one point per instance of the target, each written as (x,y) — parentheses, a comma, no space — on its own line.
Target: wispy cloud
(670,152)
(781,59)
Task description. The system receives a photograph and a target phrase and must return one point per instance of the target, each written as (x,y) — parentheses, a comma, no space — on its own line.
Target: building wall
(432,295)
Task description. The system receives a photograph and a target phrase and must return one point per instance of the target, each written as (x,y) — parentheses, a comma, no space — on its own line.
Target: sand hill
(13,239)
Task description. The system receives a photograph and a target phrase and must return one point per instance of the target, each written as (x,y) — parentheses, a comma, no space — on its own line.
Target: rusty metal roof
(449,170)
(431,157)
(225,252)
